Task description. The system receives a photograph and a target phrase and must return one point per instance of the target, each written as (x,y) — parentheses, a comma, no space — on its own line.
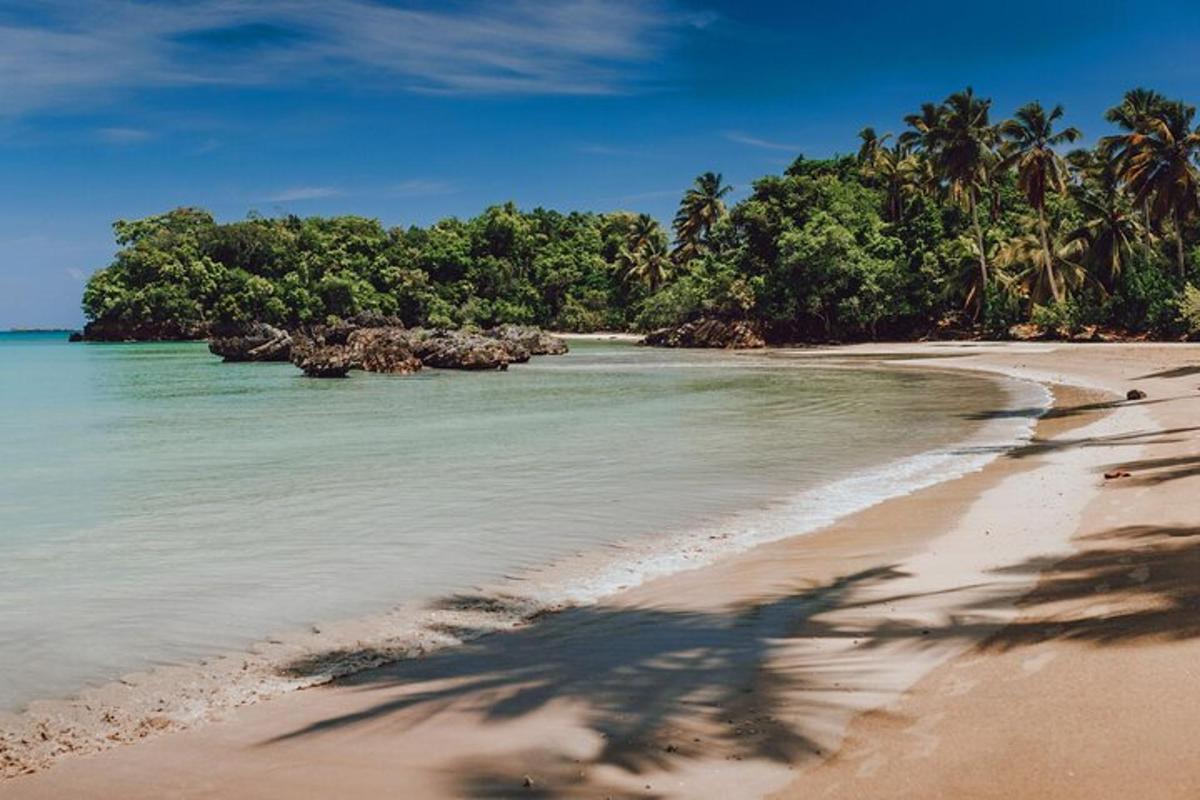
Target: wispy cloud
(421,187)
(124,135)
(303,193)
(60,51)
(755,141)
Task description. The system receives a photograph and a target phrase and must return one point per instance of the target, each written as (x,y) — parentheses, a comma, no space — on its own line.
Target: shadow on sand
(659,687)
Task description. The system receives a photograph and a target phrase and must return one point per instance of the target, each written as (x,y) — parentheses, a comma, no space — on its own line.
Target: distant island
(960,226)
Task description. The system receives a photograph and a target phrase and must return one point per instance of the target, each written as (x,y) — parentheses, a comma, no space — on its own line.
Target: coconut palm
(1159,166)
(962,150)
(897,172)
(643,229)
(871,145)
(1029,142)
(1108,235)
(1039,273)
(922,125)
(649,265)
(701,207)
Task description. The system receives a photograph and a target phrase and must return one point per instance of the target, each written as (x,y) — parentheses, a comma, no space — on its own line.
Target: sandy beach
(1028,630)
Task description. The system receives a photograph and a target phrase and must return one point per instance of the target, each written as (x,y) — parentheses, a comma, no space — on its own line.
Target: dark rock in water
(459,350)
(76,336)
(328,350)
(1135,394)
(528,338)
(107,330)
(256,341)
(709,332)
(383,350)
(322,360)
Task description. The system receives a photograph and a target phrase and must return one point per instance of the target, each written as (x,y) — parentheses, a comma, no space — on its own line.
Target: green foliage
(955,221)
(1189,310)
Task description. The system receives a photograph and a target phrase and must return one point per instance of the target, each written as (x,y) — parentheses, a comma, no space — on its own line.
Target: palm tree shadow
(648,679)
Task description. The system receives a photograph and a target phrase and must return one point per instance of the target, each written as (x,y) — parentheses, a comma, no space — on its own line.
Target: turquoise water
(157,505)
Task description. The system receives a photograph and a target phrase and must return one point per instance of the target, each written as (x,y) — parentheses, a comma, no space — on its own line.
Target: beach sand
(1028,630)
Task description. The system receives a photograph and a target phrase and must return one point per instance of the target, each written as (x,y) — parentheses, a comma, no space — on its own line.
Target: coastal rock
(322,360)
(75,336)
(709,332)
(254,342)
(534,340)
(460,350)
(382,350)
(1135,394)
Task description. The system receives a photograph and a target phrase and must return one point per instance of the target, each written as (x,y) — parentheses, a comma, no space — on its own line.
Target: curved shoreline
(172,698)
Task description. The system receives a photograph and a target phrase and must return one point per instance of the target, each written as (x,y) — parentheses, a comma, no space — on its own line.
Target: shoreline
(679,603)
(172,698)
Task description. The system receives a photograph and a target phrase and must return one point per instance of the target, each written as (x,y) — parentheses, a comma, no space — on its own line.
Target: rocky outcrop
(322,360)
(383,350)
(254,342)
(534,340)
(334,350)
(709,332)
(459,350)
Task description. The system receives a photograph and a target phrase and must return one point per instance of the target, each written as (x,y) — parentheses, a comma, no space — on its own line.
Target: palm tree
(1108,233)
(649,264)
(871,144)
(897,172)
(1030,140)
(701,207)
(1159,166)
(1131,115)
(962,148)
(643,229)
(922,125)
(1032,268)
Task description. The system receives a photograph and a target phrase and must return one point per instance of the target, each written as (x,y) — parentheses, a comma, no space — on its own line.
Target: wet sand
(897,653)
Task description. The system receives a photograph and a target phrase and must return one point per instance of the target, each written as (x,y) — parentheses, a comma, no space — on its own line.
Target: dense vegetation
(959,222)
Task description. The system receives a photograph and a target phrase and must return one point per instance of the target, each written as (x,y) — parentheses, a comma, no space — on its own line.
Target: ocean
(158,506)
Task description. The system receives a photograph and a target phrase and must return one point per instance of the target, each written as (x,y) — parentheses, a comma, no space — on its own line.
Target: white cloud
(55,52)
(303,193)
(765,144)
(76,274)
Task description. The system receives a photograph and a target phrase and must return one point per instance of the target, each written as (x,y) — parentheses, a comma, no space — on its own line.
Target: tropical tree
(962,148)
(1159,167)
(1039,273)
(649,265)
(1029,142)
(870,145)
(1110,230)
(897,172)
(701,207)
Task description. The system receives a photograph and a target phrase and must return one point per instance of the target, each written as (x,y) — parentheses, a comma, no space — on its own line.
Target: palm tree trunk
(983,267)
(1049,256)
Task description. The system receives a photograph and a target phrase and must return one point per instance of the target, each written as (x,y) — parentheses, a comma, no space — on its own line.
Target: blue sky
(411,111)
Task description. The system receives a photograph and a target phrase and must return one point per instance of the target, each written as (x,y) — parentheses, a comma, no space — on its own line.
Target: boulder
(528,338)
(709,332)
(256,341)
(383,350)
(460,350)
(322,360)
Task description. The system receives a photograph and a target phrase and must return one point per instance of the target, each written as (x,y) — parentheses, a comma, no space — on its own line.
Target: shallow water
(157,505)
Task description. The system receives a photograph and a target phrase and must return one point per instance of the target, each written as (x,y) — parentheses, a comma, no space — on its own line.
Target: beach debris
(527,781)
(1115,473)
(1135,394)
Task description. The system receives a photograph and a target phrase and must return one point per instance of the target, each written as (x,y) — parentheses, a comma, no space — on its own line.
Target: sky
(413,111)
